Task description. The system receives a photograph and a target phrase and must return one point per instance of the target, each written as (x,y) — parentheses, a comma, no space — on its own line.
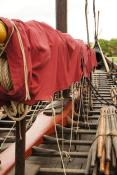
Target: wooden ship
(73,132)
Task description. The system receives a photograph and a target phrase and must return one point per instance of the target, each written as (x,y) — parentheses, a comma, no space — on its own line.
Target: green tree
(113,46)
(109,47)
(105,46)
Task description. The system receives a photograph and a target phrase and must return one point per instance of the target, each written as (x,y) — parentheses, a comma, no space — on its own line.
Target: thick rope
(24,60)
(13,111)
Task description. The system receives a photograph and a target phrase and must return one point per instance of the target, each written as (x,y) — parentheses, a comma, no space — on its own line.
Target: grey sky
(44,10)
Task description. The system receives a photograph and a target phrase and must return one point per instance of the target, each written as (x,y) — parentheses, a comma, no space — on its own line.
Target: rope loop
(15,111)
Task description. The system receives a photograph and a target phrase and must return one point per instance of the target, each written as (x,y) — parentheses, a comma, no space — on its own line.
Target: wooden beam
(80,131)
(20,147)
(59,171)
(53,140)
(61,15)
(36,151)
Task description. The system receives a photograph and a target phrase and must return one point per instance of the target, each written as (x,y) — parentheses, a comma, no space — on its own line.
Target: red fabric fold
(54,61)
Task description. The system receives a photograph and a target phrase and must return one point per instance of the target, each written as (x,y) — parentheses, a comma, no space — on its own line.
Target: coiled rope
(15,110)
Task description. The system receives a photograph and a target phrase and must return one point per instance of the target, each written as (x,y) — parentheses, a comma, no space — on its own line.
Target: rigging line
(56,133)
(62,99)
(88,105)
(33,115)
(97,91)
(2,144)
(78,115)
(107,102)
(34,112)
(99,100)
(83,105)
(71,134)
(82,99)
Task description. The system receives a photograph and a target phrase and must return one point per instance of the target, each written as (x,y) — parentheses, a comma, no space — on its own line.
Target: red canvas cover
(53,59)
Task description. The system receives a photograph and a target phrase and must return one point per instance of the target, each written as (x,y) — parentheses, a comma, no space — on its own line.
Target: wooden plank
(6,129)
(59,171)
(8,140)
(6,123)
(53,140)
(80,131)
(42,152)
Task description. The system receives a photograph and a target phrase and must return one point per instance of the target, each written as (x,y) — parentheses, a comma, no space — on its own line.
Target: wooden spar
(20,147)
(61,15)
(87,26)
(103,57)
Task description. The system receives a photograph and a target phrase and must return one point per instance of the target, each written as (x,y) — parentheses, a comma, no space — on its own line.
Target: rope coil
(15,110)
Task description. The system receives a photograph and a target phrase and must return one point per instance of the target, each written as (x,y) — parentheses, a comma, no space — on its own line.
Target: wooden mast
(61,24)
(61,15)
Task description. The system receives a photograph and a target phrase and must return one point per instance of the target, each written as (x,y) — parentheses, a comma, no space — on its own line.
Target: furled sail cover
(54,61)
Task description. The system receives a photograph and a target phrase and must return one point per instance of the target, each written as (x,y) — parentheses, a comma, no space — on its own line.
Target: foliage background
(109,47)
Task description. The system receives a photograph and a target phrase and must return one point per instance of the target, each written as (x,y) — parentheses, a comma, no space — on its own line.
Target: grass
(113,58)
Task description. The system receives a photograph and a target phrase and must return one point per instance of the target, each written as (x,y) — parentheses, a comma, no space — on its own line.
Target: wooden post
(61,15)
(20,148)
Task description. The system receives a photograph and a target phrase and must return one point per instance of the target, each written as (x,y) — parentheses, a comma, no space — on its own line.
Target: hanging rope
(62,120)
(24,60)
(71,133)
(6,137)
(60,152)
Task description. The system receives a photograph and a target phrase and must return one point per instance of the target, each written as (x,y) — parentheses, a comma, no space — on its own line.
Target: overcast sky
(44,10)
